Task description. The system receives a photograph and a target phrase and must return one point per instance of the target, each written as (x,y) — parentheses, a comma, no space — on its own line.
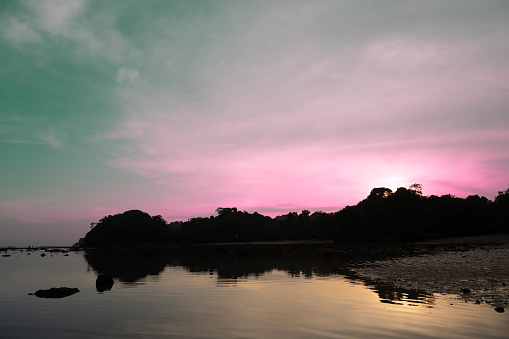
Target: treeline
(384,216)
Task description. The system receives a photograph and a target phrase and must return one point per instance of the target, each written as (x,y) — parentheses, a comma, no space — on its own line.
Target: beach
(476,269)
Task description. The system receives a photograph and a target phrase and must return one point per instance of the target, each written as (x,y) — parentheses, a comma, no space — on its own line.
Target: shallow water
(223,296)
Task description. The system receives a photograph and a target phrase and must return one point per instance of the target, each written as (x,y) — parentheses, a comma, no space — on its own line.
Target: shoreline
(466,240)
(474,268)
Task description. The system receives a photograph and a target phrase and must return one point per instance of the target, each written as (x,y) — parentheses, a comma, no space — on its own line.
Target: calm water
(223,296)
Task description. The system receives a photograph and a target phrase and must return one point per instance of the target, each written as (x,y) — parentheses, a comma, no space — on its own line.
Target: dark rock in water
(56,292)
(43,255)
(104,283)
(465,290)
(499,309)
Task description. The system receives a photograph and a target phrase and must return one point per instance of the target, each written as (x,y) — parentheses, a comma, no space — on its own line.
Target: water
(223,296)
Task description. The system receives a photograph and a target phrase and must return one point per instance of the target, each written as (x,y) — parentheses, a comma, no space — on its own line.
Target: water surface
(223,296)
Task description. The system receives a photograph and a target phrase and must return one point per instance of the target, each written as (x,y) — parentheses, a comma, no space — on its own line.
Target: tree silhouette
(380,192)
(416,188)
(128,228)
(384,216)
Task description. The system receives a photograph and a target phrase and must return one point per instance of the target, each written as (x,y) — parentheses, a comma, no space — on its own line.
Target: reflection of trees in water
(126,268)
(390,294)
(393,295)
(232,268)
(228,282)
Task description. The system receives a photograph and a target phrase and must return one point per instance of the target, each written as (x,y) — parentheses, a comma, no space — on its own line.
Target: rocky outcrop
(56,292)
(104,283)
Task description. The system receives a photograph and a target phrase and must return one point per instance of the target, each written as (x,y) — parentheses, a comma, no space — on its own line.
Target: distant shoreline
(470,240)
(480,239)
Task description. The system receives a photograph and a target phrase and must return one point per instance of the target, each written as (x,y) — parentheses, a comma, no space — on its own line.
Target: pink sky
(268,106)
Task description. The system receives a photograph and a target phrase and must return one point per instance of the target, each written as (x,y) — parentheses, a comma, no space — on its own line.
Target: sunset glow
(176,108)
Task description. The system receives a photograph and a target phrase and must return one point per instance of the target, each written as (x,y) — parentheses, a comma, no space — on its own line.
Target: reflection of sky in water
(182,301)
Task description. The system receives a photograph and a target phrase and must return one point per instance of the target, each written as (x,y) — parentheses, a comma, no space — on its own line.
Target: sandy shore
(478,239)
(474,268)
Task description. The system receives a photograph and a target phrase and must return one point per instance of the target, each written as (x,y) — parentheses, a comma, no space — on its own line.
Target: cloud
(56,16)
(23,211)
(281,112)
(92,33)
(50,137)
(127,76)
(17,31)
(262,104)
(30,130)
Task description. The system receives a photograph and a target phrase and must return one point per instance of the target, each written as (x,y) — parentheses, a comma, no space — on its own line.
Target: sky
(179,107)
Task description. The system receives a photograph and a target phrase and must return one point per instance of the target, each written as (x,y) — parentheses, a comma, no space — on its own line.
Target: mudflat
(474,268)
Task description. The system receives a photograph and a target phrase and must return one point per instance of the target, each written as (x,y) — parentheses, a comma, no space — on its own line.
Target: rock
(43,255)
(499,309)
(104,283)
(465,290)
(56,292)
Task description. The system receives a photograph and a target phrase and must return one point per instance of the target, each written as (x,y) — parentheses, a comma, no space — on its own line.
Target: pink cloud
(314,124)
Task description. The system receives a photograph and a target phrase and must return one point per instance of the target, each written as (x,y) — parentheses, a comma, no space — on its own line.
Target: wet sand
(476,269)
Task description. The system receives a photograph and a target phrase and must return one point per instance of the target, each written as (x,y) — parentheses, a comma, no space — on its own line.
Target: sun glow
(393,182)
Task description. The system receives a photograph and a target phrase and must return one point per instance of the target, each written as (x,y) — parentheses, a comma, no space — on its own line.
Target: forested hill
(384,216)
